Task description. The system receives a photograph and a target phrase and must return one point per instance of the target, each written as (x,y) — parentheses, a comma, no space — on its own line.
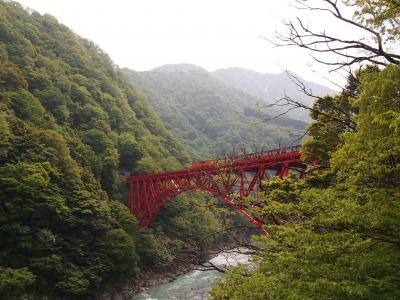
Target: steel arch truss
(229,180)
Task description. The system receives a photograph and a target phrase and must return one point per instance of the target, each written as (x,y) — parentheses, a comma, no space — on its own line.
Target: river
(195,284)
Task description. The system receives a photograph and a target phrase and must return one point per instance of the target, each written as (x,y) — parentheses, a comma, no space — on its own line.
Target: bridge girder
(229,180)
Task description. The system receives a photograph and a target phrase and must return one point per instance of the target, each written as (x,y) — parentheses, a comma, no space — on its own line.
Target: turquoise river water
(196,284)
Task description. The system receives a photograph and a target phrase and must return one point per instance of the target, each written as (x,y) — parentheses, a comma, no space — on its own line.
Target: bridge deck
(231,180)
(250,162)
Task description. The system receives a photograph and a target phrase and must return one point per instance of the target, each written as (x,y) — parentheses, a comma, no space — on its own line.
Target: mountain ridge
(270,87)
(183,67)
(210,116)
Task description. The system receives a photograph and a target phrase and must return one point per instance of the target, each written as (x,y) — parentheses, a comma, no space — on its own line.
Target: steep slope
(208,115)
(271,87)
(69,123)
(347,243)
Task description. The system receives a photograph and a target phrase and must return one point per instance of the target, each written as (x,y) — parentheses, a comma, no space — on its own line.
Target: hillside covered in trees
(270,88)
(209,116)
(335,234)
(70,122)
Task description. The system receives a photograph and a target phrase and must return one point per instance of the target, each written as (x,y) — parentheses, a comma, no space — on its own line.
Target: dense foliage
(209,116)
(336,234)
(70,123)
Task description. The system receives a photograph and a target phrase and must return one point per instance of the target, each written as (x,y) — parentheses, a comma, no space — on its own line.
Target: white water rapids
(196,284)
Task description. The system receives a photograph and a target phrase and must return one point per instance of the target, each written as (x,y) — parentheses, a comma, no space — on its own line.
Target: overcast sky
(143,34)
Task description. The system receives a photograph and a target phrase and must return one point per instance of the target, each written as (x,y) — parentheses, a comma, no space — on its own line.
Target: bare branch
(302,36)
(209,266)
(300,137)
(227,230)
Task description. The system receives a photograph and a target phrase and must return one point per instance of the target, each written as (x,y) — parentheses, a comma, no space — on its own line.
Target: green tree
(339,241)
(381,15)
(16,284)
(69,122)
(129,150)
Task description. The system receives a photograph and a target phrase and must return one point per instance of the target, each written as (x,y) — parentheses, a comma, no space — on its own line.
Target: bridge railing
(269,152)
(244,156)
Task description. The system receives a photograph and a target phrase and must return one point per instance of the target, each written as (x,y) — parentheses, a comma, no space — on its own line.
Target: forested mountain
(70,122)
(336,234)
(271,87)
(209,116)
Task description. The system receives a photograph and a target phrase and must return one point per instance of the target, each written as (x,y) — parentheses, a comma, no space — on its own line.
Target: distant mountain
(271,87)
(208,115)
(171,68)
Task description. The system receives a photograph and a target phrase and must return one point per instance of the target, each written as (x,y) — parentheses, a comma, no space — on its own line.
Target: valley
(113,179)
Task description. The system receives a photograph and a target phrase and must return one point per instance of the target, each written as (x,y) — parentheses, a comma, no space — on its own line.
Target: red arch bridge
(231,180)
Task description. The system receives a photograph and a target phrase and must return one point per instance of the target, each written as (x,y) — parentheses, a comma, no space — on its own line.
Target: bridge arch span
(229,180)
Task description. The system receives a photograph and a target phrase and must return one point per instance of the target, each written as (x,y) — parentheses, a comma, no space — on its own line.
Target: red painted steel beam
(150,192)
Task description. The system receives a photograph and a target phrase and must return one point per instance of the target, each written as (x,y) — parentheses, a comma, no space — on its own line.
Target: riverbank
(196,284)
(147,281)
(153,278)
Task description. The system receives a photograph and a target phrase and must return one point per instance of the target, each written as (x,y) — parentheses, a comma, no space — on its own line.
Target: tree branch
(302,36)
